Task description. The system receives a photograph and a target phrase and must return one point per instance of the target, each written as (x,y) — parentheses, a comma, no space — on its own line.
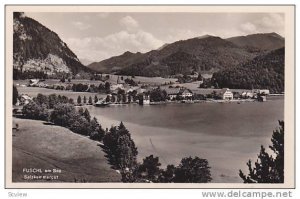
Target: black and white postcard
(150,96)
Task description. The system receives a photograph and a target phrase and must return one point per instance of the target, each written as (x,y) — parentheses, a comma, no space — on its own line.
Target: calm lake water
(226,134)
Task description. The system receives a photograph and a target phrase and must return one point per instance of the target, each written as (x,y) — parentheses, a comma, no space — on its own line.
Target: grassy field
(57,81)
(41,146)
(113,80)
(143,80)
(33,91)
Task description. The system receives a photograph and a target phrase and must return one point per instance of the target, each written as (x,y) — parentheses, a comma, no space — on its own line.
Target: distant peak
(127,53)
(204,36)
(274,34)
(166,44)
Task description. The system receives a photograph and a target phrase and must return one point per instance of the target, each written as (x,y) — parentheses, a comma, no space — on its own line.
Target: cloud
(129,23)
(99,48)
(103,15)
(183,34)
(131,38)
(272,20)
(86,17)
(248,27)
(81,26)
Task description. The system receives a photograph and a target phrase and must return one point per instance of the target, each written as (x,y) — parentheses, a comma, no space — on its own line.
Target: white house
(226,94)
(194,75)
(24,99)
(181,92)
(120,80)
(145,100)
(116,86)
(33,82)
(247,94)
(186,93)
(264,91)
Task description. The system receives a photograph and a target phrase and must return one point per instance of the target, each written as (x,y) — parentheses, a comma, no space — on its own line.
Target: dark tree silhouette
(86,115)
(107,87)
(15,94)
(79,100)
(193,170)
(168,174)
(63,114)
(268,169)
(90,100)
(97,131)
(95,99)
(41,99)
(120,147)
(190,170)
(35,111)
(149,169)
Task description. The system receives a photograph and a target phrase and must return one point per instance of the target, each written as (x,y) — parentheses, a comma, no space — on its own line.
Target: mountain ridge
(260,41)
(204,53)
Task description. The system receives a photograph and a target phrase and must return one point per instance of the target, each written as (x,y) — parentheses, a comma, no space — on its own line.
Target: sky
(97,36)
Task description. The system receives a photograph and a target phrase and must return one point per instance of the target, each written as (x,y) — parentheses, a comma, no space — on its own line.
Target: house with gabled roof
(226,94)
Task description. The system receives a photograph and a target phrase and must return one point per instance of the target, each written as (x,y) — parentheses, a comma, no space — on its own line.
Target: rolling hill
(50,147)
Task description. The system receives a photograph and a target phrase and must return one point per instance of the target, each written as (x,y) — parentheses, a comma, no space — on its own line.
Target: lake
(226,134)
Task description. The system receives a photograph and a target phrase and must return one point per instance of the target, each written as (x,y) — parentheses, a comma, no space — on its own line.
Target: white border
(289,102)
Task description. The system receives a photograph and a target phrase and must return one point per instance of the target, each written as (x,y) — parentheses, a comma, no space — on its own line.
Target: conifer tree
(268,169)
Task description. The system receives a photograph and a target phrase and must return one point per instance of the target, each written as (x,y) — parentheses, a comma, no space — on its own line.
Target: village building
(175,93)
(131,89)
(113,98)
(186,93)
(114,87)
(33,82)
(194,75)
(172,93)
(23,99)
(141,90)
(120,80)
(226,94)
(262,98)
(248,94)
(262,91)
(145,100)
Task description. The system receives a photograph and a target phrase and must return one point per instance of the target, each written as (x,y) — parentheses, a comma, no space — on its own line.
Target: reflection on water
(232,119)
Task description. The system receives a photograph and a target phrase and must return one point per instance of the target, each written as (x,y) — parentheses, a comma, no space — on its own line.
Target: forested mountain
(201,54)
(265,72)
(115,63)
(207,53)
(259,42)
(39,51)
